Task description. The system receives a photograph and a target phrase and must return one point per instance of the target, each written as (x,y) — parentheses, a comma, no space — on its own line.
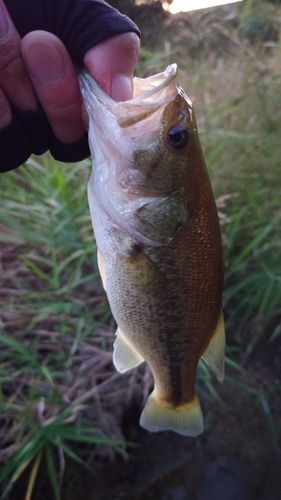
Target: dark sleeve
(80,24)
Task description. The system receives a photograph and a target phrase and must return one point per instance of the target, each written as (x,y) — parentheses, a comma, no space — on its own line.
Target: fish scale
(158,237)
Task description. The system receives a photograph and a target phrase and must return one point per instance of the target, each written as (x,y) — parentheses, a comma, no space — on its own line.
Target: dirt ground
(236,458)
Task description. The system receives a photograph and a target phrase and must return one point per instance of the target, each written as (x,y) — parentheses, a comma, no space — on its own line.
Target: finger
(5,110)
(111,63)
(14,79)
(55,82)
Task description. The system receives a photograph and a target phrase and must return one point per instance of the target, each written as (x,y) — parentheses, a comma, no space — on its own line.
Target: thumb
(111,63)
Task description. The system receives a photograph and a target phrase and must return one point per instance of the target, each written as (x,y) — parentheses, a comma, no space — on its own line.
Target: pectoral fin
(161,218)
(125,356)
(214,354)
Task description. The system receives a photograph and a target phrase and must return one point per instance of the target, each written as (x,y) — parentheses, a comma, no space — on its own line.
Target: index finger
(112,62)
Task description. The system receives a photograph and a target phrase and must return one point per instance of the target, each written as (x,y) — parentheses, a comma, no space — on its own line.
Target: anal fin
(214,353)
(125,356)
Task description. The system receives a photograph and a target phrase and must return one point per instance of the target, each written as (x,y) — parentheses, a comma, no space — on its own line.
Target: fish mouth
(145,88)
(149,95)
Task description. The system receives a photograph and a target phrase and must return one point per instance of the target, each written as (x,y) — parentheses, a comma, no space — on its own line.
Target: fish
(159,245)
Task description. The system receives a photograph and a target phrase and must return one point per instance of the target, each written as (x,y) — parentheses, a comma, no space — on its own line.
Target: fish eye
(177,136)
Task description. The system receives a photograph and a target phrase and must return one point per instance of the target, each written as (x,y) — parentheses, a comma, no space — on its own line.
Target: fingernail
(45,63)
(4,26)
(121,88)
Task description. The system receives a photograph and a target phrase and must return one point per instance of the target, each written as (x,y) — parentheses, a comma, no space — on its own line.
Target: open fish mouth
(149,95)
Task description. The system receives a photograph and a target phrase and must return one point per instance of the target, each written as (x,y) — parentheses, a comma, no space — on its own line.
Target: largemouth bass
(159,245)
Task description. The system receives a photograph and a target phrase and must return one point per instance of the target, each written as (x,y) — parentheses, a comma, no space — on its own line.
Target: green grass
(245,160)
(51,300)
(240,123)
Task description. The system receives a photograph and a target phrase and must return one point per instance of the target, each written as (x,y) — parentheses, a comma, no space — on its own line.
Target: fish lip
(166,76)
(150,94)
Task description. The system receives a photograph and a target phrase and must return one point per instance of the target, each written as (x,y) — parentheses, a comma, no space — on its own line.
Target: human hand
(111,63)
(38,69)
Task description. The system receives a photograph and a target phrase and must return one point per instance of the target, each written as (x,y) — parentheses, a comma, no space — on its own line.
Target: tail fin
(186,419)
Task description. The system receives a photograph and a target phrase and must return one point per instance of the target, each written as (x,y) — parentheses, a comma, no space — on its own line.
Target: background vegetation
(60,398)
